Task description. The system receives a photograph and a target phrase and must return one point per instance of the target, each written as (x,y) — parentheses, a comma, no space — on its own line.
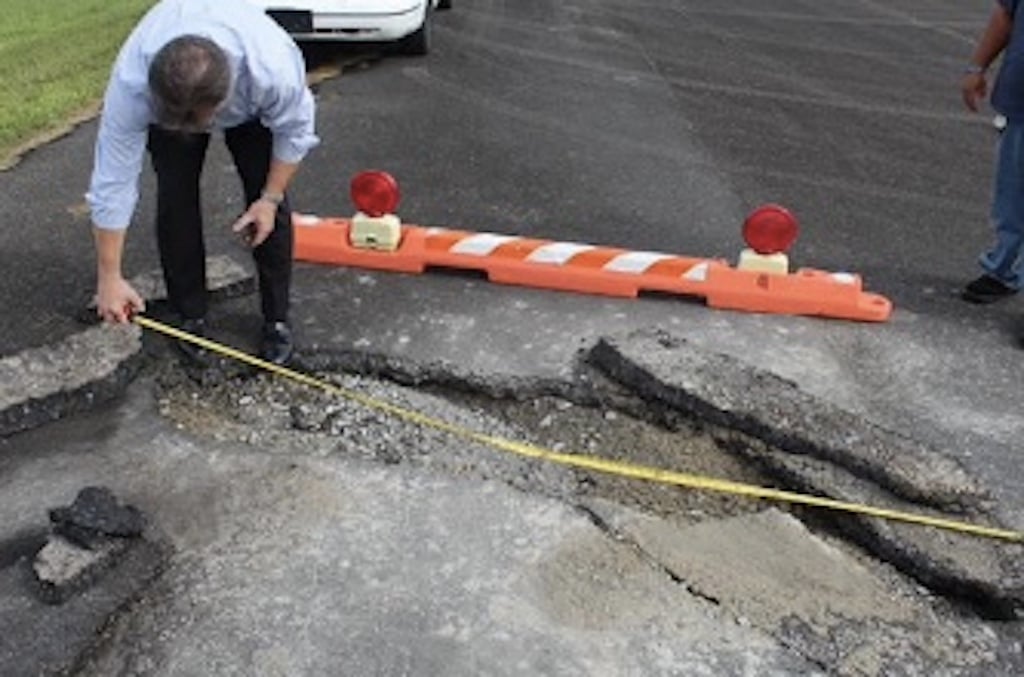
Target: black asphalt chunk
(95,515)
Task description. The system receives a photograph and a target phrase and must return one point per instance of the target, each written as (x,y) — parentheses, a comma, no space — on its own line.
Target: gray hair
(189,77)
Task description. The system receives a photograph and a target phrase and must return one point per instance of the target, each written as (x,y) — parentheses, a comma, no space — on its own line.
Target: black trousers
(177,159)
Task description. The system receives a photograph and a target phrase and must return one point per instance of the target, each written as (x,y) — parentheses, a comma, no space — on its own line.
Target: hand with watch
(257,223)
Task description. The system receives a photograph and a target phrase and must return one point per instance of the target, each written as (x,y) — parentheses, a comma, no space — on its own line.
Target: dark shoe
(277,346)
(986,289)
(194,354)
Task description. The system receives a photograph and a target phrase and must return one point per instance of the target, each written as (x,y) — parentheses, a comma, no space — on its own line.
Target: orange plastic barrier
(589,269)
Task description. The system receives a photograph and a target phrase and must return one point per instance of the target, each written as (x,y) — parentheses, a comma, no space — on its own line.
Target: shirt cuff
(294,150)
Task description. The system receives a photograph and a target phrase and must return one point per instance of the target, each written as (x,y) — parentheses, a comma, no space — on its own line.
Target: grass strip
(55,56)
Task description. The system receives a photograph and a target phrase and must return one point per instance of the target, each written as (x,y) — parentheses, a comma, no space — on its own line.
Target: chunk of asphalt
(815,447)
(89,537)
(94,516)
(726,392)
(42,384)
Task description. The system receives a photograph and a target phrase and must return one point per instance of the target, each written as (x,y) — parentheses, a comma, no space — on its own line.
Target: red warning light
(770,229)
(375,193)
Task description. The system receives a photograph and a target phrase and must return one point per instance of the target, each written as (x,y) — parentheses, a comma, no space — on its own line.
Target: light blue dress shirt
(268,84)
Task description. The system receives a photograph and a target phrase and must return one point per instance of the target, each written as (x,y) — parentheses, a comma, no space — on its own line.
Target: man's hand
(974,89)
(116,300)
(257,223)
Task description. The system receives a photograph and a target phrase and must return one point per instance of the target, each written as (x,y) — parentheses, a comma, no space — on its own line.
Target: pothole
(287,418)
(281,417)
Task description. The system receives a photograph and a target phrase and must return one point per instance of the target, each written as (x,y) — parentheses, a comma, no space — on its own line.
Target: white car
(405,23)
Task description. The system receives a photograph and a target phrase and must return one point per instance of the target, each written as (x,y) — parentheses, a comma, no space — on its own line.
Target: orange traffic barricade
(590,269)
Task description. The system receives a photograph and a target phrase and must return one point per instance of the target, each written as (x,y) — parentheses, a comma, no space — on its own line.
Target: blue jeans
(1003,260)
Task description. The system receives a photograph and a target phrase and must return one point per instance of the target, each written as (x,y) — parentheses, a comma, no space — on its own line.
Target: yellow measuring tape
(602,465)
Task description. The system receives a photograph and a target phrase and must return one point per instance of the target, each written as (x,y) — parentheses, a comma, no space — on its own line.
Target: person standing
(1001,277)
(191,67)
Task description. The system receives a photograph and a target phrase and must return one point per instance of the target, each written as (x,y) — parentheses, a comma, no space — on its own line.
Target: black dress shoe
(194,355)
(277,346)
(986,289)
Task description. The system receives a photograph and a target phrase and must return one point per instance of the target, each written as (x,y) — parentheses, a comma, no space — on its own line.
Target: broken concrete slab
(225,279)
(982,573)
(42,384)
(726,392)
(769,571)
(805,453)
(63,568)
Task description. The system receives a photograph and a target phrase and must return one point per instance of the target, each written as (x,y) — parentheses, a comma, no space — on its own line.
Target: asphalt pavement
(653,128)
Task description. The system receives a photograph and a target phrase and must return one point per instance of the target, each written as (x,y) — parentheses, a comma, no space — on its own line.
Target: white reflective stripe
(305,219)
(844,278)
(481,244)
(557,252)
(635,262)
(699,273)
(436,230)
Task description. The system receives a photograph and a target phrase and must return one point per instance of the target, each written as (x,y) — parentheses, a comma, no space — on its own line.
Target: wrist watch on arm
(273,198)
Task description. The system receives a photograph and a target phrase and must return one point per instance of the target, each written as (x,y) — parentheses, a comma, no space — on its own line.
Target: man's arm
(974,86)
(113,193)
(288,110)
(258,219)
(279,176)
(116,301)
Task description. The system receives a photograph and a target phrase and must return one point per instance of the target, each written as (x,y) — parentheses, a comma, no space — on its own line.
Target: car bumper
(381,27)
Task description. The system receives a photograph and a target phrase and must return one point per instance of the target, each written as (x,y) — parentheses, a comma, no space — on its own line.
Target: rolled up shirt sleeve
(120,147)
(286,106)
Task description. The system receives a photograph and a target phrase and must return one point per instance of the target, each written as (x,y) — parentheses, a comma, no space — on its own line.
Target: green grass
(55,56)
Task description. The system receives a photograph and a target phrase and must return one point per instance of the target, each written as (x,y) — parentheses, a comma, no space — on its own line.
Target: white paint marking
(558,253)
(481,244)
(844,278)
(699,273)
(635,262)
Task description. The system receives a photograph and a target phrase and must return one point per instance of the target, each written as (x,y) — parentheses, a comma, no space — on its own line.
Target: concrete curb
(818,448)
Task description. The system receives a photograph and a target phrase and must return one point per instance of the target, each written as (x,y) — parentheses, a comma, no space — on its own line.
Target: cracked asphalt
(306,535)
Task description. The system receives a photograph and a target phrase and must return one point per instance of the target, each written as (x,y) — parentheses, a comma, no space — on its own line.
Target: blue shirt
(268,84)
(1008,91)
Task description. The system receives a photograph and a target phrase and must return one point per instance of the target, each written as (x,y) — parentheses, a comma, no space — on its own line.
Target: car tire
(444,4)
(417,43)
